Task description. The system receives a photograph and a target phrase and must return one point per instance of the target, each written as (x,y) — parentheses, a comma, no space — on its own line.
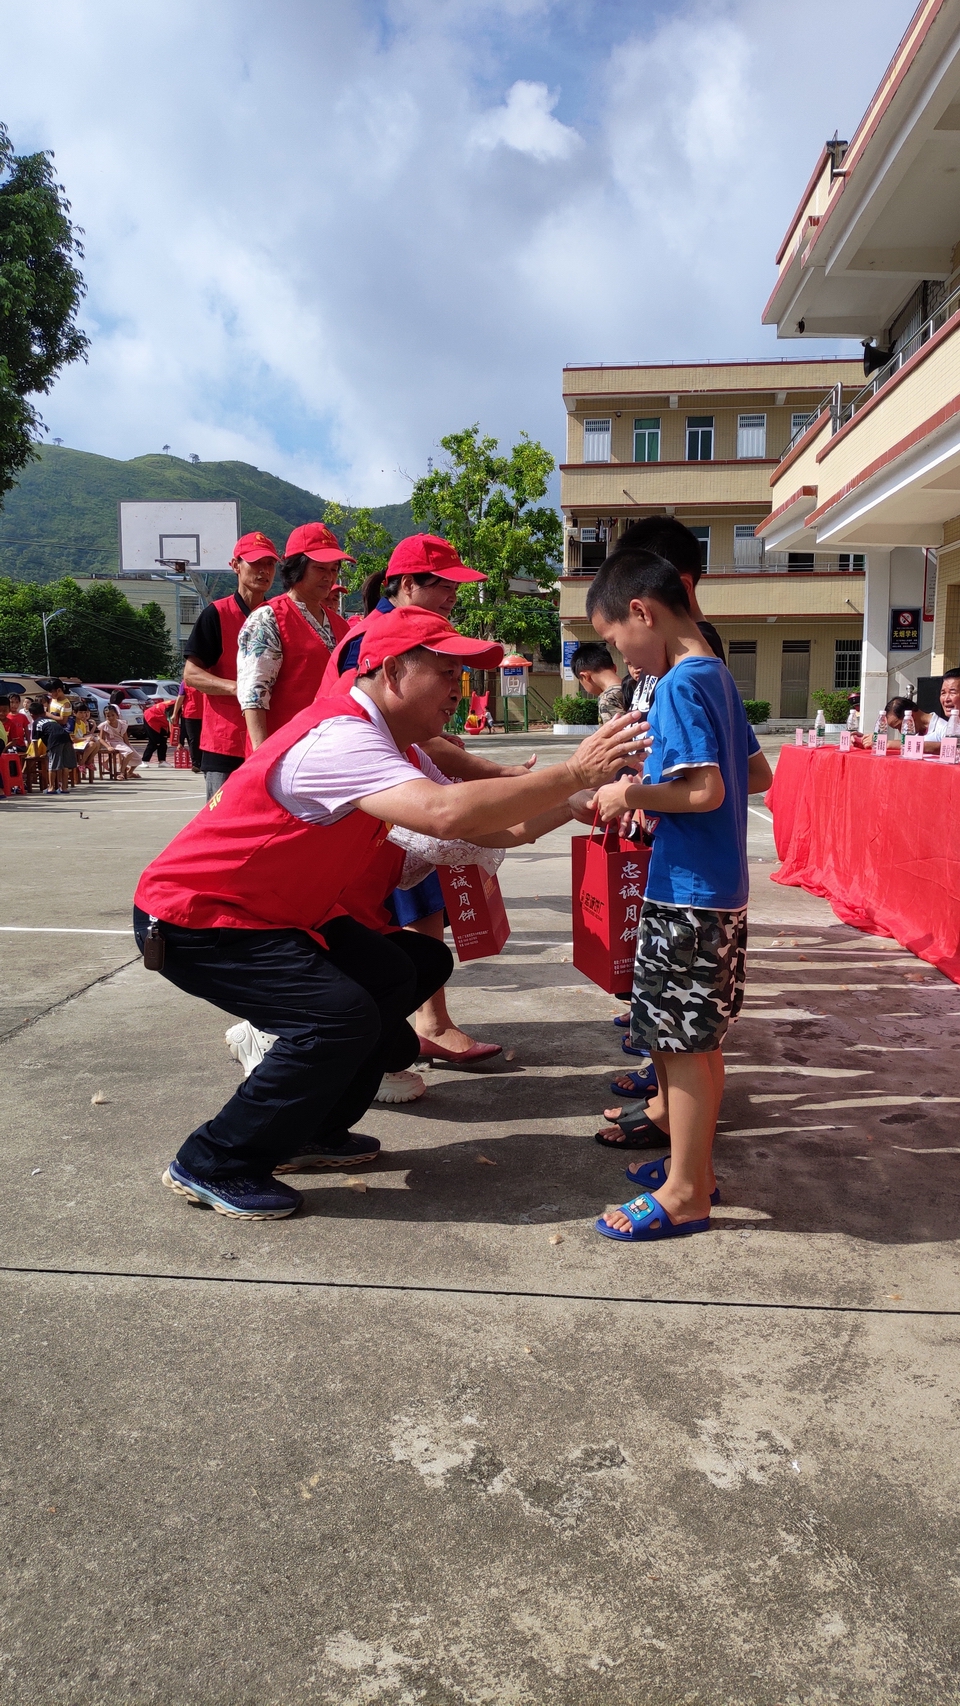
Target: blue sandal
(649,1223)
(650,1175)
(642,1083)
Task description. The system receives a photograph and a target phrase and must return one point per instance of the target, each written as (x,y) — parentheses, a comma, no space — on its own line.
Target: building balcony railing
(760,563)
(840,412)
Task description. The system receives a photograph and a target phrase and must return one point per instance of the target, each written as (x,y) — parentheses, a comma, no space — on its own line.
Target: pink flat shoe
(458,1057)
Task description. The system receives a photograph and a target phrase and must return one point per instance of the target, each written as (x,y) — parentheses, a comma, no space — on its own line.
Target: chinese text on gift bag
(478,917)
(609,879)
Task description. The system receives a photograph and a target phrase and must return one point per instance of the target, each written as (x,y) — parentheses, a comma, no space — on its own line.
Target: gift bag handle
(607,827)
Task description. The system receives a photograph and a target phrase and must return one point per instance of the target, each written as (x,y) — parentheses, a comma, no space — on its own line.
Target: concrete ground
(435,1441)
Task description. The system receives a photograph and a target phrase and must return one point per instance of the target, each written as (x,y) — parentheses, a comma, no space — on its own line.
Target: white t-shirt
(936,728)
(323,776)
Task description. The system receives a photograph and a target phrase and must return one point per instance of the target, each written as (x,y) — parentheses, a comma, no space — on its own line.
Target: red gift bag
(478,917)
(609,879)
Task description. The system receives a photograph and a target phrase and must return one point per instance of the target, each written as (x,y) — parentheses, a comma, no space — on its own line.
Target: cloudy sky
(322,233)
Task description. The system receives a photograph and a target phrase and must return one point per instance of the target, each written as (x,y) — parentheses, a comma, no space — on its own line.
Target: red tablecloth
(879,838)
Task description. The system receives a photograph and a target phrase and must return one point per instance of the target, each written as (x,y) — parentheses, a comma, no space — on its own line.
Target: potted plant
(835,707)
(574,715)
(757,710)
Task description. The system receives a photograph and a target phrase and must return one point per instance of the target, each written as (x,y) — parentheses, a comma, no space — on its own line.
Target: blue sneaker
(253,1197)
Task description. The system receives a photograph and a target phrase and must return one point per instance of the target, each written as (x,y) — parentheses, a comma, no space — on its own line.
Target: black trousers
(339,1015)
(156,743)
(191,727)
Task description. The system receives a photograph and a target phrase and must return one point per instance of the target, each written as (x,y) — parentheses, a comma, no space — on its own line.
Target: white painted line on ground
(764,816)
(779,1130)
(60,930)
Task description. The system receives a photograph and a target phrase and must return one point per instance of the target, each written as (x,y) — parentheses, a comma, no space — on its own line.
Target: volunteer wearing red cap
(285,646)
(242,908)
(211,658)
(424,572)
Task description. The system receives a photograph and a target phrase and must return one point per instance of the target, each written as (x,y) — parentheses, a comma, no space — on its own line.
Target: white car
(155,689)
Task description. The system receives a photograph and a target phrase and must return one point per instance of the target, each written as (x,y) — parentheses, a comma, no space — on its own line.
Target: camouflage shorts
(688,977)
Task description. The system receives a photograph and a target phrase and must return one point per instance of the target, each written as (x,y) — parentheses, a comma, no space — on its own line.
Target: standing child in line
(704,758)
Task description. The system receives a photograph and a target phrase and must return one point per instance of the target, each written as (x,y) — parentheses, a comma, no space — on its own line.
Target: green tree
(99,636)
(488,506)
(40,292)
(364,537)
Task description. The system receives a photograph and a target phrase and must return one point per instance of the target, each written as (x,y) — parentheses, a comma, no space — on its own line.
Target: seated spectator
(15,725)
(896,709)
(113,734)
(949,701)
(593,667)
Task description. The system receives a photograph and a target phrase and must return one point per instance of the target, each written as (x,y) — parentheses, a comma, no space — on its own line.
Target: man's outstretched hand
(599,757)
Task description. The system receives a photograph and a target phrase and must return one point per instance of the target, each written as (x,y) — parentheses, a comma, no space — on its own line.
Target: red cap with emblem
(425,554)
(254,546)
(391,636)
(315,541)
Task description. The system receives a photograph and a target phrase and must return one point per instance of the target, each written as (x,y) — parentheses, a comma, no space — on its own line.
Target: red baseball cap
(315,541)
(425,554)
(391,636)
(254,546)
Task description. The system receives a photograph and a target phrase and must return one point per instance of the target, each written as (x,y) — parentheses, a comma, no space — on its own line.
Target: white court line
(767,817)
(56,930)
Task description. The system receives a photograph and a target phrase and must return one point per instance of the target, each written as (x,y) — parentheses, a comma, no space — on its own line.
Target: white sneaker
(400,1087)
(248,1045)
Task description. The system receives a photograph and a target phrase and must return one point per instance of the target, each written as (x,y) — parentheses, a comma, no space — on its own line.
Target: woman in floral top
(285,645)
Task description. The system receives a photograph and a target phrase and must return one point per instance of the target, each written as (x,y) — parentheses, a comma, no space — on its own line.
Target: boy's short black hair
(667,538)
(592,655)
(628,574)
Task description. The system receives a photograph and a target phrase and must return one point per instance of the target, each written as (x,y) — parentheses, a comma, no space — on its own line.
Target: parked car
(28,686)
(155,689)
(131,706)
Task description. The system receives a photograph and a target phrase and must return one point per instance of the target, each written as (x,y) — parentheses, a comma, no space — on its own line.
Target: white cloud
(319,236)
(525,122)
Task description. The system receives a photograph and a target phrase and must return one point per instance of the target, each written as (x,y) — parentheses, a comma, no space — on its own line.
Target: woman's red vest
(245,863)
(305,658)
(224,730)
(333,682)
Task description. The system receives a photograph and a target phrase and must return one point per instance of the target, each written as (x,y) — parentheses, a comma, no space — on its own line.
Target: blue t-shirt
(697,717)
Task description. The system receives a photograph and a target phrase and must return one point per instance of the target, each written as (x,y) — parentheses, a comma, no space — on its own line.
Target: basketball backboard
(201,535)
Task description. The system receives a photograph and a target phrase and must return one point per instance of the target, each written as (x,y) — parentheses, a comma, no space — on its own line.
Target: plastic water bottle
(853,721)
(820,727)
(953,724)
(909,726)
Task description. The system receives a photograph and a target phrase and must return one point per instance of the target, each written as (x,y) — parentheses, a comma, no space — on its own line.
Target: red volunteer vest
(155,716)
(193,702)
(245,863)
(333,682)
(305,658)
(224,729)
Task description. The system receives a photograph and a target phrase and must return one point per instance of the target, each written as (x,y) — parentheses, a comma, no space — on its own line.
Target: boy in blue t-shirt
(703,760)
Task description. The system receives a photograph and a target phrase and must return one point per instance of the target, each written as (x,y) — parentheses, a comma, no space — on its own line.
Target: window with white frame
(846,665)
(747,549)
(799,424)
(751,436)
(699,438)
(596,441)
(646,440)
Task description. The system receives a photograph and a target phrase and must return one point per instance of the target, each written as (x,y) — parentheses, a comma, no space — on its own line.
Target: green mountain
(61,519)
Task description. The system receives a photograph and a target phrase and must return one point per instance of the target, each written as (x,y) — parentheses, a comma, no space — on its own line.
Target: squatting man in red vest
(243,908)
(211,658)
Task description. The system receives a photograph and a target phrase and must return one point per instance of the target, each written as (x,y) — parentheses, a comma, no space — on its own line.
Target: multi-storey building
(873,252)
(701,441)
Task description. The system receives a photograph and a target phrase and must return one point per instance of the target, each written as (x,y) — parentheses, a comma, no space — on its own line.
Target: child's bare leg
(691,1086)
